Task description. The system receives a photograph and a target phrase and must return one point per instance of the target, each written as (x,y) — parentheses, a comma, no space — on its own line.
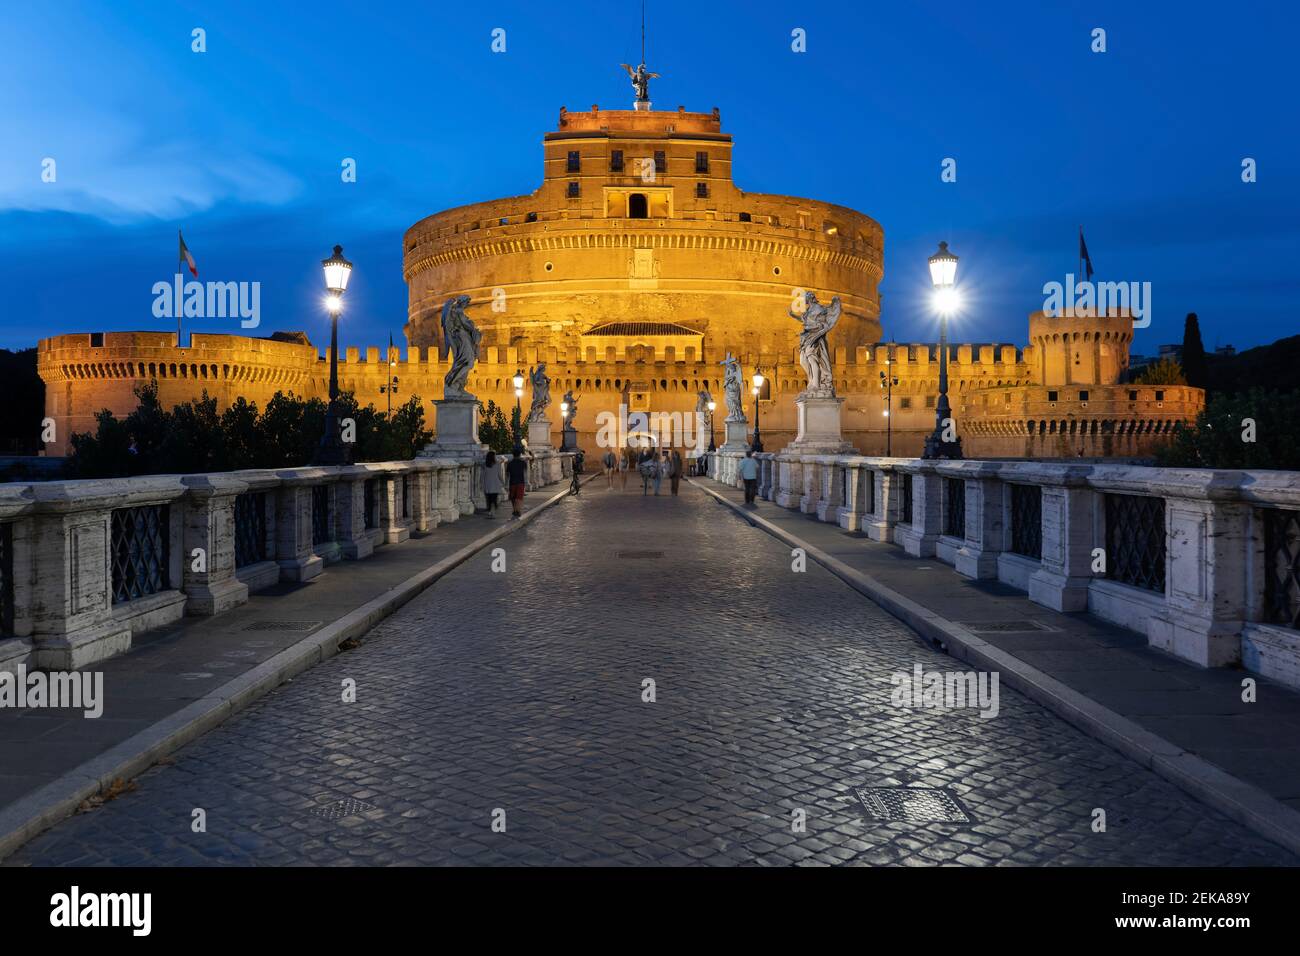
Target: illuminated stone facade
(632,271)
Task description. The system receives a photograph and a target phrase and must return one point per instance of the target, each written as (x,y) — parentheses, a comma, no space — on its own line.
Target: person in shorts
(609,460)
(517,479)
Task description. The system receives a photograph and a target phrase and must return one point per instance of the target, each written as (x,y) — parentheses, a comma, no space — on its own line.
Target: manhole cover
(638,554)
(347,807)
(998,627)
(912,805)
(282,625)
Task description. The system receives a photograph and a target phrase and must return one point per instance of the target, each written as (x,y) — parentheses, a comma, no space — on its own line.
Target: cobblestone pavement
(522,691)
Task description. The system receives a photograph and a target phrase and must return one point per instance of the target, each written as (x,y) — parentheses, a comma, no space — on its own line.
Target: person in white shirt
(749,472)
(492,485)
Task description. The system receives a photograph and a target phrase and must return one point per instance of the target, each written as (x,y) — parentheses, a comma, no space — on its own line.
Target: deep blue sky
(241,145)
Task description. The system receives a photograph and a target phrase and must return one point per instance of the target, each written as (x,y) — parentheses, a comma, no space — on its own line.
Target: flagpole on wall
(180,261)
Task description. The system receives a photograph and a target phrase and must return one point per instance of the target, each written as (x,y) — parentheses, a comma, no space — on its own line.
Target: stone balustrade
(86,565)
(1204,563)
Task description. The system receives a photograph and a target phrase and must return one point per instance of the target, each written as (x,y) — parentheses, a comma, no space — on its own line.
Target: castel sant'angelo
(632,271)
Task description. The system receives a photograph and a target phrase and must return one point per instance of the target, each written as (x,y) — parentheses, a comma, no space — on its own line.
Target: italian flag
(185,257)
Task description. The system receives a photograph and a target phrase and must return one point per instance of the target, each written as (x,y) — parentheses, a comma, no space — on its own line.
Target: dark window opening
(1051,396)
(746,217)
(575,161)
(701,162)
(661,161)
(637,206)
(1083,395)
(701,190)
(96,340)
(616,161)
(531,217)
(573,190)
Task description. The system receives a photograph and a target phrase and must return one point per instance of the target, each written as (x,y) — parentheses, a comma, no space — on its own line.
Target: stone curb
(1241,801)
(60,798)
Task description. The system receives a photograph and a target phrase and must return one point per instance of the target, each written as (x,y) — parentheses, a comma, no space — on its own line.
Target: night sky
(241,146)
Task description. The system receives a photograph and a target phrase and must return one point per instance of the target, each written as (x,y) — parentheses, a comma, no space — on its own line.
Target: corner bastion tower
(639,245)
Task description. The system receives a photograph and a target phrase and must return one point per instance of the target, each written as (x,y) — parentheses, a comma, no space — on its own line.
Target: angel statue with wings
(641,78)
(541,383)
(814,354)
(462,337)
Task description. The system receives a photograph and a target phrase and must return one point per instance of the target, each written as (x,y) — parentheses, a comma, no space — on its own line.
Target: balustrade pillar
(208,559)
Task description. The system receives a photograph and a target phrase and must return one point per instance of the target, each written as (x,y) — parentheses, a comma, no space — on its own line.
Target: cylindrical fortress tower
(637,221)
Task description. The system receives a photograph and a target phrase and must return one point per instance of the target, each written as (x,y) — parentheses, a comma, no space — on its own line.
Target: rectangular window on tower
(661,161)
(616,161)
(573,190)
(701,190)
(575,161)
(701,162)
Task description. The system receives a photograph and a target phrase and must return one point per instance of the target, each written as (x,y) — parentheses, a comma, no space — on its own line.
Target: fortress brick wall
(1000,406)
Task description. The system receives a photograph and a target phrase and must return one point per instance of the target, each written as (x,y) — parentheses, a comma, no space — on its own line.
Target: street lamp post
(887,382)
(758,390)
(390,389)
(333,450)
(519,394)
(943,273)
(712,405)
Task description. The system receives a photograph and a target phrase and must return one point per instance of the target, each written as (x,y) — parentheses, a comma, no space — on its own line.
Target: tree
(24,405)
(1164,372)
(194,438)
(493,429)
(1195,366)
(1252,430)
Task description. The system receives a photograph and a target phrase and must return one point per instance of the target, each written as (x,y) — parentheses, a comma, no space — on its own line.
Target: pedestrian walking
(662,465)
(624,466)
(677,466)
(492,485)
(609,460)
(749,472)
(517,478)
(645,463)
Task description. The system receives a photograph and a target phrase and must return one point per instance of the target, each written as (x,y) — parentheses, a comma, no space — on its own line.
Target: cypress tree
(1195,366)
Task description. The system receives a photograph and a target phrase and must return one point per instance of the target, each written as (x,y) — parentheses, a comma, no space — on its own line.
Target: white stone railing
(1204,563)
(85,565)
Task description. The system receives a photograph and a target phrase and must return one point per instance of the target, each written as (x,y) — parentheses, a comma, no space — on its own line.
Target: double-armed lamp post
(887,382)
(333,450)
(943,273)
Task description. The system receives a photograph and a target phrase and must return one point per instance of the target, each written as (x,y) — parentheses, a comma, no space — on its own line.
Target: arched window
(637,206)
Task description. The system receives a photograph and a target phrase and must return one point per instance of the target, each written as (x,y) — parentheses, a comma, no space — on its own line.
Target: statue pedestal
(737,436)
(569,438)
(819,428)
(456,430)
(539,435)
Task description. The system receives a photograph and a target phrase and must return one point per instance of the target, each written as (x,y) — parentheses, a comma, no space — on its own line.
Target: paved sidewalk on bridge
(175,683)
(1183,711)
